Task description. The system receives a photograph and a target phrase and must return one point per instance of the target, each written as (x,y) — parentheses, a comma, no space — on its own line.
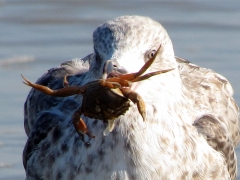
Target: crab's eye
(151,53)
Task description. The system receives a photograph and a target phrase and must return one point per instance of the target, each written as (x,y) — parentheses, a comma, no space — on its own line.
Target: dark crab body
(104,103)
(105,99)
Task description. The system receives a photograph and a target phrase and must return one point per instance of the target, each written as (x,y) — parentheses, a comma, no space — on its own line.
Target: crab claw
(135,98)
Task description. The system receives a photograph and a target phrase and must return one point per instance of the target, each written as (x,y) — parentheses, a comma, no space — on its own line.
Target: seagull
(191,125)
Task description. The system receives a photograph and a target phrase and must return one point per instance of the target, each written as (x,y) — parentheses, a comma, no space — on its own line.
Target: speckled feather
(172,143)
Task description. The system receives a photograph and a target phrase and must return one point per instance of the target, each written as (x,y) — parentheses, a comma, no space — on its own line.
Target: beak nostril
(115,64)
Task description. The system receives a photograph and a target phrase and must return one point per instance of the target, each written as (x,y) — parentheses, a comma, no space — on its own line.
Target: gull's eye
(151,53)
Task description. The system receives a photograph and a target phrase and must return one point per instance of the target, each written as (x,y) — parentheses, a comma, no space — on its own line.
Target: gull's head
(131,41)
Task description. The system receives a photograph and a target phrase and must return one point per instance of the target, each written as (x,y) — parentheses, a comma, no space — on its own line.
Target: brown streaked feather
(217,137)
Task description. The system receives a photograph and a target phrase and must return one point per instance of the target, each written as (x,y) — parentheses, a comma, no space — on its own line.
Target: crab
(104,99)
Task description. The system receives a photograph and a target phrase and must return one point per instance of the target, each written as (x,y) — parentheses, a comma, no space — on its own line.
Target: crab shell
(109,103)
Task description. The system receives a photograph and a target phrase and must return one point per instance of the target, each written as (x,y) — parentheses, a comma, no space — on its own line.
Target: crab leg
(109,128)
(137,99)
(67,91)
(80,125)
(111,85)
(65,82)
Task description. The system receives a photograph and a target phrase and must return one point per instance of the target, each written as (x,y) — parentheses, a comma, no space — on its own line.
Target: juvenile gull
(191,127)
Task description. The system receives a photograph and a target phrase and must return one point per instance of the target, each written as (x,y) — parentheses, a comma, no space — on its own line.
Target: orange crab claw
(148,75)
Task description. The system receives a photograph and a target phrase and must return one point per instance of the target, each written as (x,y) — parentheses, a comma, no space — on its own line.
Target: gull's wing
(212,94)
(217,137)
(53,78)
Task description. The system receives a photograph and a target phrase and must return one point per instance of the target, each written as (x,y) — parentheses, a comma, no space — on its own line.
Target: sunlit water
(35,36)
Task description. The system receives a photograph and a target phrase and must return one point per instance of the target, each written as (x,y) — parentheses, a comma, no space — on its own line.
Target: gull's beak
(112,69)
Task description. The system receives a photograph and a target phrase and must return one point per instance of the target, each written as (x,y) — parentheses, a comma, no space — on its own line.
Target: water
(38,35)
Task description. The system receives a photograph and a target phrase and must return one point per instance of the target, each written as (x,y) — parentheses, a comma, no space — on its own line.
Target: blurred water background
(38,35)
